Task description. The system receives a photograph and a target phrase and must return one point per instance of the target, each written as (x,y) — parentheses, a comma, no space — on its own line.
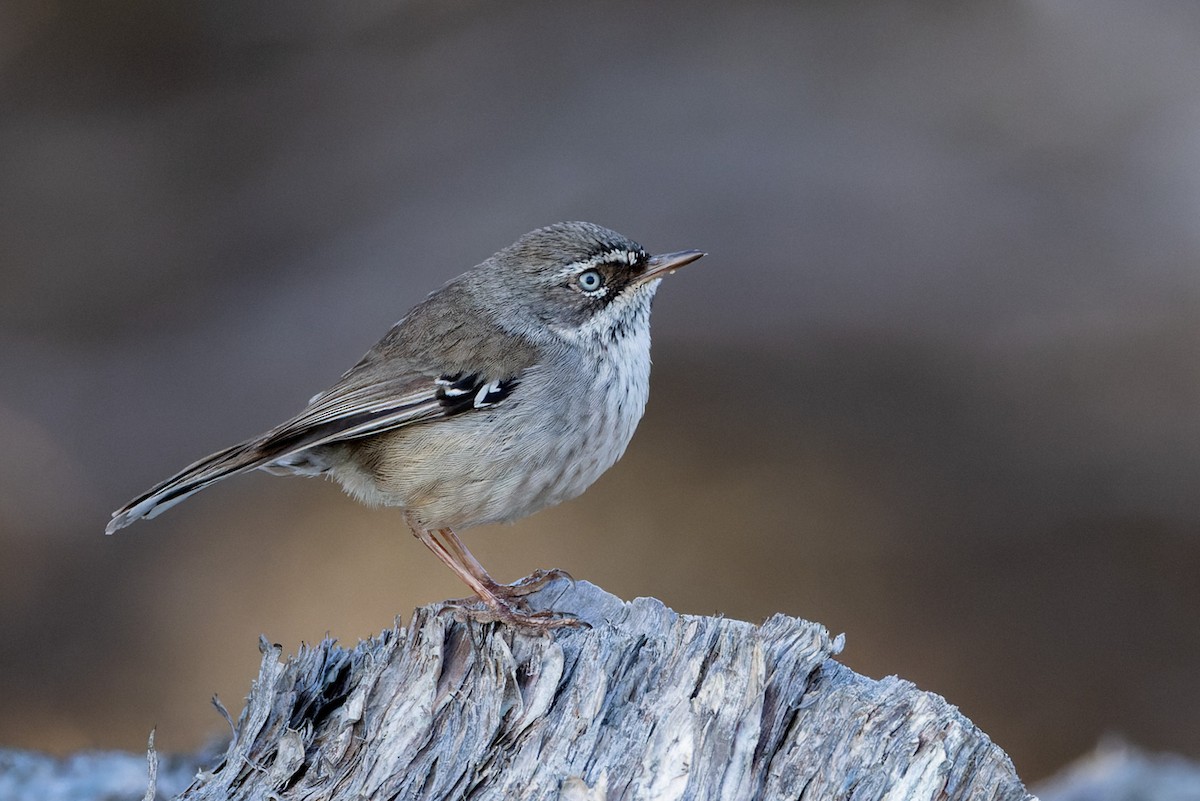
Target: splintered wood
(646,704)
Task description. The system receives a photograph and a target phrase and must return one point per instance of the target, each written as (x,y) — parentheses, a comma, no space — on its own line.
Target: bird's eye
(590,280)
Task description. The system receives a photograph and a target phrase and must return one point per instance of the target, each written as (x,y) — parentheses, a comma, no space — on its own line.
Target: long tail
(361,405)
(231,461)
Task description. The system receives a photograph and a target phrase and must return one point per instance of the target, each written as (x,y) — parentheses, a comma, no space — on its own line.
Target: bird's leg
(498,607)
(517,589)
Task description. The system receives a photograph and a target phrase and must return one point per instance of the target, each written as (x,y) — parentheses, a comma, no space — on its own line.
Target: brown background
(935,386)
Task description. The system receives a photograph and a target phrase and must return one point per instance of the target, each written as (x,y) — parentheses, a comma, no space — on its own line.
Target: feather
(357,406)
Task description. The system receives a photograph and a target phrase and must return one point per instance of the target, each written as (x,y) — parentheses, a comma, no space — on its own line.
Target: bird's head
(577,280)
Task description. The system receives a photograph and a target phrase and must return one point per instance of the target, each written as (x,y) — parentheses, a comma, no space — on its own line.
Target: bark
(646,704)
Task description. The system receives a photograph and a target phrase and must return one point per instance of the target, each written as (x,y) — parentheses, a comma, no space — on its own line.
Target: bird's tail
(231,461)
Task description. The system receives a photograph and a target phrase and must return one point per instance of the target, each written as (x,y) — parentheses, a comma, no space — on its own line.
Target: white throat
(626,317)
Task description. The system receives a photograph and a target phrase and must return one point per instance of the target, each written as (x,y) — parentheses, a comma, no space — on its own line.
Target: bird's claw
(530,584)
(501,612)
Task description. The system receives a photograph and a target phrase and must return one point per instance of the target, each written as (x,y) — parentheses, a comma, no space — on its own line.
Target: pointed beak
(666,263)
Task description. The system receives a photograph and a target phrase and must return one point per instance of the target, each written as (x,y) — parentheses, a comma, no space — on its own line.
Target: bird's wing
(354,409)
(362,404)
(425,368)
(359,407)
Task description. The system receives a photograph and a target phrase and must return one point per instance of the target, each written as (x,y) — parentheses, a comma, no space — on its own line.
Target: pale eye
(590,280)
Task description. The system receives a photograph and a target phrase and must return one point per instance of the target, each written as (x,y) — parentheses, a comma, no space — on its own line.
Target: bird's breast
(569,419)
(574,425)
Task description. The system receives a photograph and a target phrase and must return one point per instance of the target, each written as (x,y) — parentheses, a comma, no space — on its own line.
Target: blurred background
(935,386)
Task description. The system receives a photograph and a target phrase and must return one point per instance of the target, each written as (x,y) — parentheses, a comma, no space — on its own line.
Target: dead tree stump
(646,704)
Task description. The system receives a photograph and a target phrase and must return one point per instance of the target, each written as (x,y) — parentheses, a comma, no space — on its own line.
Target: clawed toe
(498,598)
(503,613)
(522,587)
(530,584)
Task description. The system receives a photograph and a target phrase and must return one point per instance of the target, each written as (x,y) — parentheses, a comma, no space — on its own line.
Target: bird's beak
(661,265)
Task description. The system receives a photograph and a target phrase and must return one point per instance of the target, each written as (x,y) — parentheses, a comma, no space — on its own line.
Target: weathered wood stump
(646,704)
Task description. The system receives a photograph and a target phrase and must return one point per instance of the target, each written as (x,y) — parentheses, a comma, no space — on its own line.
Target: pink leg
(456,557)
(517,589)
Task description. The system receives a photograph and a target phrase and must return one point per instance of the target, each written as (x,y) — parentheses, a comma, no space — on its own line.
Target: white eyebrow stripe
(629,257)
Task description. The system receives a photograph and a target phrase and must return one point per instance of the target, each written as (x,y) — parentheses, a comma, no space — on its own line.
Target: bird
(510,389)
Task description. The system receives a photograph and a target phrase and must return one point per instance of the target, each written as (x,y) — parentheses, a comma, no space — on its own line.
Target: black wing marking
(463,392)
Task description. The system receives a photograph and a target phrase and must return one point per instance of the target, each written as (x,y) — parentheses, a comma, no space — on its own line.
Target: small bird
(510,389)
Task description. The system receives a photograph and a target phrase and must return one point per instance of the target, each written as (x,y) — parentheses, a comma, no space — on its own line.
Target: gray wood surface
(646,704)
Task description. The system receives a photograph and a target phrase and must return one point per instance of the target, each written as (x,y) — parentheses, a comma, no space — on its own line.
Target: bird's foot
(528,585)
(496,610)
(516,591)
(499,602)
